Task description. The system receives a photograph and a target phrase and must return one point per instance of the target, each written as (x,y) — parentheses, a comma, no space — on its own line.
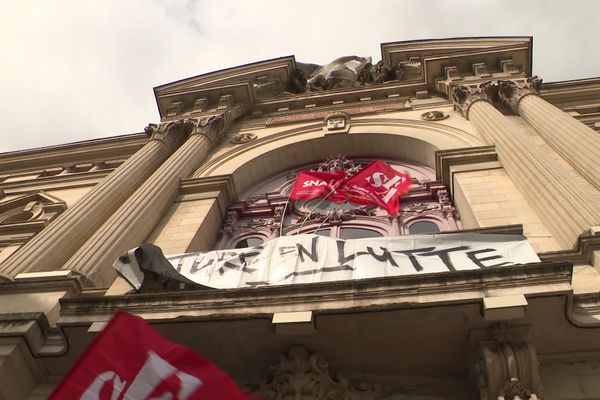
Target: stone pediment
(26,215)
(406,69)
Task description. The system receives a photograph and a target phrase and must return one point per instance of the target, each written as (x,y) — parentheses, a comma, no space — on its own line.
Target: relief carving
(336,121)
(302,375)
(434,116)
(242,138)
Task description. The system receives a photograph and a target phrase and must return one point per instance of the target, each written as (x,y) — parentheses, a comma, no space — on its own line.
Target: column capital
(172,134)
(211,127)
(512,91)
(463,96)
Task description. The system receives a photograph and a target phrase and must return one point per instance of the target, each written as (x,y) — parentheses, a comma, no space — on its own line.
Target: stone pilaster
(565,209)
(576,142)
(49,249)
(133,221)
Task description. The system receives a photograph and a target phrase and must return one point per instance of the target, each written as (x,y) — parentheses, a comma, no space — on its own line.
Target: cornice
(117,147)
(423,62)
(367,294)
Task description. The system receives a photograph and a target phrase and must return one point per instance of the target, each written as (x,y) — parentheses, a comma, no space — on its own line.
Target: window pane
(249,242)
(423,227)
(323,232)
(358,233)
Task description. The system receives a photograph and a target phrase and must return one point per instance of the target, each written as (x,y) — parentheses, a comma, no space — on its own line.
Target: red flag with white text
(379,184)
(313,184)
(129,360)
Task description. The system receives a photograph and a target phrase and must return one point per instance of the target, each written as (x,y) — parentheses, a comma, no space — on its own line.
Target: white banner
(311,258)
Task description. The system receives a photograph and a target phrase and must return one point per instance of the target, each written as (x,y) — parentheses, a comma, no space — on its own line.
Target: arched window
(264,212)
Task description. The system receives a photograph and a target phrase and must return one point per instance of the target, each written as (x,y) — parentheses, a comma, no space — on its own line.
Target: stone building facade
(490,149)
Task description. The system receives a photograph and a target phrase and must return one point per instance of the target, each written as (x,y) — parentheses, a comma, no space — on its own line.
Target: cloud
(75,70)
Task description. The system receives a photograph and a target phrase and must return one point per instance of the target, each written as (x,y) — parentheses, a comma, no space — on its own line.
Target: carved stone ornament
(242,138)
(511,92)
(172,133)
(464,96)
(301,375)
(343,72)
(434,116)
(211,127)
(507,370)
(339,163)
(336,121)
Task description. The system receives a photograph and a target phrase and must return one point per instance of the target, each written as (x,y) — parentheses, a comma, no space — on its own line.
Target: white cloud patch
(75,70)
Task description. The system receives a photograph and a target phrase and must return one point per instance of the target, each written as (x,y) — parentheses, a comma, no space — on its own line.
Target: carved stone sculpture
(301,375)
(385,73)
(343,72)
(511,92)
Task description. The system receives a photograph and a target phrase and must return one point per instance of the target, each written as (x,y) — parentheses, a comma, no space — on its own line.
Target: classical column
(566,209)
(49,249)
(576,142)
(137,216)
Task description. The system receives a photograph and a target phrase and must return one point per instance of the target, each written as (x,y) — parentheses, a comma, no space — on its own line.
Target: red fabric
(313,184)
(378,183)
(130,360)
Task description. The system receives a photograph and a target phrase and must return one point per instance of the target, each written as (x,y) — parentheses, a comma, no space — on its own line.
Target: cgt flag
(131,361)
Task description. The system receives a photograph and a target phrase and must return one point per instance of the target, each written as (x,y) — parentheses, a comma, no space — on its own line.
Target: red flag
(312,184)
(131,361)
(378,183)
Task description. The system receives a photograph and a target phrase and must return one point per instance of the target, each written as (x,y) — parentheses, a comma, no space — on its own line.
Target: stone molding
(511,92)
(446,159)
(428,289)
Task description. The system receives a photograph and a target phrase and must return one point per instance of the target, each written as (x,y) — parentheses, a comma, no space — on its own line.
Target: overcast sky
(79,70)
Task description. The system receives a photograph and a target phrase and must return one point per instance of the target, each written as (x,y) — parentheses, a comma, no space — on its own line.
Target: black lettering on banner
(342,260)
(444,255)
(302,273)
(283,250)
(236,267)
(472,255)
(179,264)
(412,258)
(385,256)
(313,255)
(195,268)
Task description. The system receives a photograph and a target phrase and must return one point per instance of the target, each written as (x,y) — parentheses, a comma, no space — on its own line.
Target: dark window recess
(322,232)
(249,242)
(423,227)
(358,233)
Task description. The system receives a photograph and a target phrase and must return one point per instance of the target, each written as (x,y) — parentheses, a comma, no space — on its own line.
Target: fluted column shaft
(49,249)
(576,142)
(562,206)
(133,221)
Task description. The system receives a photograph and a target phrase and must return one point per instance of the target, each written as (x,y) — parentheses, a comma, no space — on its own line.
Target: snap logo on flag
(376,184)
(129,360)
(313,184)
